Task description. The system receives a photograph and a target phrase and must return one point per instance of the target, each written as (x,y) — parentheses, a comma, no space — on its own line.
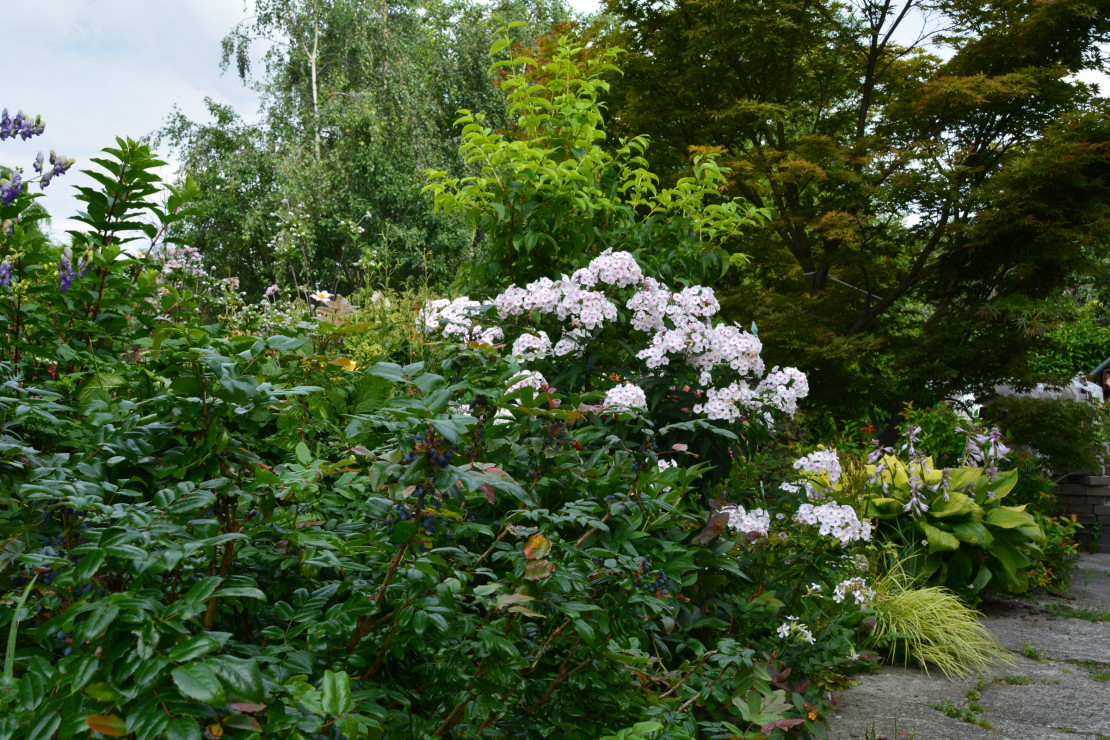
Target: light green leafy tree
(549,195)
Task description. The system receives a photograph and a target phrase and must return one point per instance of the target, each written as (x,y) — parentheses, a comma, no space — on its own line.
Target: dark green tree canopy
(932,171)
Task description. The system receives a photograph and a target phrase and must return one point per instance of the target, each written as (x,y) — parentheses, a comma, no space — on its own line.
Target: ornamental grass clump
(931,626)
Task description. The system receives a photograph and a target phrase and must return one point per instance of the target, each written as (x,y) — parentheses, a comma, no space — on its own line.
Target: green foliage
(939,432)
(551,197)
(1065,434)
(358,100)
(216,523)
(1077,347)
(1060,551)
(389,321)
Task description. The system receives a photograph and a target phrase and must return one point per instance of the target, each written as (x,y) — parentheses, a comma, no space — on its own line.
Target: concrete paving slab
(1060,695)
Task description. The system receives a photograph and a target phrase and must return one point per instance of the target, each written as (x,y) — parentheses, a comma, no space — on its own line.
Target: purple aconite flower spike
(66,273)
(11,189)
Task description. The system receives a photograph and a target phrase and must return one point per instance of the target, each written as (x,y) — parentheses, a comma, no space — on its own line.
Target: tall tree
(896,146)
(359,98)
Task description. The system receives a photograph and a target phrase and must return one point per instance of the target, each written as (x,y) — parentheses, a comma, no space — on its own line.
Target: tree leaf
(241,676)
(538,570)
(526,611)
(508,599)
(109,725)
(45,727)
(537,547)
(99,619)
(335,694)
(198,681)
(193,648)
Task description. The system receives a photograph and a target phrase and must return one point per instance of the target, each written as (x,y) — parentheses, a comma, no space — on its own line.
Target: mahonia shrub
(219,524)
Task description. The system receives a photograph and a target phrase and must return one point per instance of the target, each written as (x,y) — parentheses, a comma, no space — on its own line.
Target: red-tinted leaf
(488,490)
(246,707)
(779,724)
(717,524)
(537,547)
(109,725)
(537,570)
(242,722)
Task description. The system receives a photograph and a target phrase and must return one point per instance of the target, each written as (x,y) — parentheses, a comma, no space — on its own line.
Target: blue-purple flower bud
(11,189)
(38,162)
(60,164)
(5,274)
(21,126)
(66,273)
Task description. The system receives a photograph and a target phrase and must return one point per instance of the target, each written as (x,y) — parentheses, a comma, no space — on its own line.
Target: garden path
(1056,689)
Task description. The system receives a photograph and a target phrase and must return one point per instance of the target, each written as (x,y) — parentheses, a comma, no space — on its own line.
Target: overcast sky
(97,69)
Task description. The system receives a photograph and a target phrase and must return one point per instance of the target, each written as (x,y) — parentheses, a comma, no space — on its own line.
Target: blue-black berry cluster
(645,456)
(653,581)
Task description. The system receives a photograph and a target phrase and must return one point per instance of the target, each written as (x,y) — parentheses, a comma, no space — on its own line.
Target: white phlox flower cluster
(455,320)
(532,346)
(572,298)
(528,379)
(726,403)
(782,388)
(834,520)
(814,464)
(618,269)
(756,521)
(821,461)
(681,330)
(626,396)
(796,629)
(857,587)
(678,324)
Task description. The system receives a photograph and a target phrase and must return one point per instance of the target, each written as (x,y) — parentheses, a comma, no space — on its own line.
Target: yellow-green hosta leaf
(962,477)
(1009,517)
(972,532)
(1011,576)
(1003,484)
(956,505)
(1033,533)
(883,507)
(929,473)
(939,540)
